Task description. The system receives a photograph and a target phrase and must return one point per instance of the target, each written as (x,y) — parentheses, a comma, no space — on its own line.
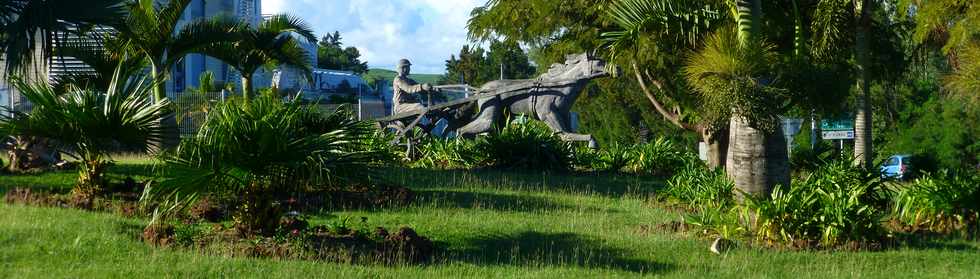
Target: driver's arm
(412,88)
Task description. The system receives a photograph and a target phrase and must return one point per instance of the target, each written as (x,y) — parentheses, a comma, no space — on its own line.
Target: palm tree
(152,32)
(271,42)
(264,150)
(667,27)
(835,21)
(89,124)
(28,28)
(731,72)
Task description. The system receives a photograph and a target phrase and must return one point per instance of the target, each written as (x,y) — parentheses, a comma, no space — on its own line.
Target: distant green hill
(388,75)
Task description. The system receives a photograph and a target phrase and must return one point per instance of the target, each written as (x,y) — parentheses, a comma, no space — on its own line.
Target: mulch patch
(297,240)
(123,203)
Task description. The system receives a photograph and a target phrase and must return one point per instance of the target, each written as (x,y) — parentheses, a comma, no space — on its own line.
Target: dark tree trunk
(717,147)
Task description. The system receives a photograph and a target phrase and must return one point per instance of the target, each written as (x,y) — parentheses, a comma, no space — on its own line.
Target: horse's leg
(483,122)
(558,123)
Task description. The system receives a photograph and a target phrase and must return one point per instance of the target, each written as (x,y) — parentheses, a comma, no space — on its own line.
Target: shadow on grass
(532,248)
(490,201)
(613,185)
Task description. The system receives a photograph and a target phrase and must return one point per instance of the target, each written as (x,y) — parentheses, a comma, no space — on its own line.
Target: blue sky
(424,31)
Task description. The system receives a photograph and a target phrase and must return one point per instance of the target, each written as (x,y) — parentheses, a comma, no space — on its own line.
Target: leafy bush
(615,157)
(836,203)
(450,154)
(942,202)
(263,149)
(805,159)
(528,145)
(697,185)
(716,221)
(661,157)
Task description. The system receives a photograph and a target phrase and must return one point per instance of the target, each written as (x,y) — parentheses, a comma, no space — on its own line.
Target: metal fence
(191,108)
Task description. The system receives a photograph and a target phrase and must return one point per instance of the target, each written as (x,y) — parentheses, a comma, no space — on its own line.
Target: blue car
(897,167)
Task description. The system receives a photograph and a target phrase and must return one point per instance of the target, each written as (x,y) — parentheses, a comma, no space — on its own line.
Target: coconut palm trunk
(863,152)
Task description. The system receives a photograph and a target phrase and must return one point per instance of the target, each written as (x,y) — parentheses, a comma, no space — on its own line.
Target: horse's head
(578,66)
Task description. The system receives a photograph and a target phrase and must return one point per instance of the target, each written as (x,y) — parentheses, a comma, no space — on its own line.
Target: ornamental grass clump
(660,157)
(942,202)
(835,204)
(260,151)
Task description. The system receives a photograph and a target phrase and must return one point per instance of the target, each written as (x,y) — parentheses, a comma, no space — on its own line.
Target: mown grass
(489,224)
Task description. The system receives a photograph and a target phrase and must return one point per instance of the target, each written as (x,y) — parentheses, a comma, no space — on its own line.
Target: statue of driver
(405,90)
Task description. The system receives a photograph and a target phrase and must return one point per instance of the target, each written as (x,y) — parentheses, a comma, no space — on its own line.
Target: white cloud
(424,31)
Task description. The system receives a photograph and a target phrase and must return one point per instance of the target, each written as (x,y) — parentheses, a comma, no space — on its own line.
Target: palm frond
(197,35)
(92,124)
(284,23)
(686,21)
(278,143)
(26,27)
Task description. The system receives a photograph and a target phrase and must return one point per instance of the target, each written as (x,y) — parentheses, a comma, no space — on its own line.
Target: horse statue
(548,98)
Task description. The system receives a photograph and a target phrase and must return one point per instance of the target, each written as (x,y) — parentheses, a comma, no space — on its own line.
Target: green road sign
(840,124)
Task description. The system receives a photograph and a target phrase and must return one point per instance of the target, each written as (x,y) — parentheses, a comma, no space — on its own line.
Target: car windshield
(893,161)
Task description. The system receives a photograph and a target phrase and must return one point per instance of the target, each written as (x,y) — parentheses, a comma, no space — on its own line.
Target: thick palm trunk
(863,152)
(757,161)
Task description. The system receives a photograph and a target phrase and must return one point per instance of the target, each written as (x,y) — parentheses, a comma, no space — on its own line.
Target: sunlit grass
(489,224)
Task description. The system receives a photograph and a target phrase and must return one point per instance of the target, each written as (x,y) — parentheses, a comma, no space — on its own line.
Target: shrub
(716,221)
(528,145)
(806,159)
(264,149)
(698,185)
(836,203)
(661,157)
(942,202)
(449,154)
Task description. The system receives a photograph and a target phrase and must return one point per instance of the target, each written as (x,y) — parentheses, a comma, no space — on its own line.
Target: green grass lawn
(491,224)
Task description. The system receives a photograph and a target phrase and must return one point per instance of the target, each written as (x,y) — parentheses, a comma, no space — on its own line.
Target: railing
(191,108)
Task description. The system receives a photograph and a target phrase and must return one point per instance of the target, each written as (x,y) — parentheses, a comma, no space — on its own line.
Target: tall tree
(954,25)
(333,55)
(845,26)
(477,66)
(273,42)
(734,72)
(649,37)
